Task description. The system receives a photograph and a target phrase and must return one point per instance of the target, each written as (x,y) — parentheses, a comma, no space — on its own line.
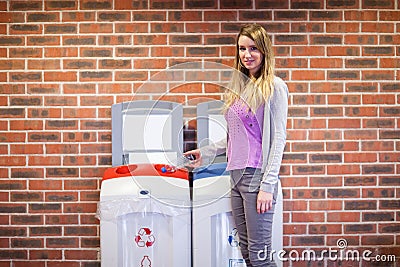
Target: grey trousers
(254,229)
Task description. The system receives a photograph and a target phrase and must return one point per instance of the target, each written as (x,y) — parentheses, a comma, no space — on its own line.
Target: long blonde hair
(252,90)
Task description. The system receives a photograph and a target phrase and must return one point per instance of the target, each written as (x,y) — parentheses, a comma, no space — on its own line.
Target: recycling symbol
(233,238)
(144,238)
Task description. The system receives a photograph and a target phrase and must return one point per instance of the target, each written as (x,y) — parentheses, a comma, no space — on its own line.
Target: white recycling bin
(215,238)
(145,217)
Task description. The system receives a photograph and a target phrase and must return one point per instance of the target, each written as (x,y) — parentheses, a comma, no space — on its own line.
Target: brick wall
(64,63)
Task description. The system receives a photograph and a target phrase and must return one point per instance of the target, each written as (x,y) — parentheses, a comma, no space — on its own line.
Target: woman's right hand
(197,155)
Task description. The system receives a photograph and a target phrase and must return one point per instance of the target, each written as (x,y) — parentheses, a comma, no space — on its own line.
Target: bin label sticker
(146,262)
(144,238)
(237,263)
(233,238)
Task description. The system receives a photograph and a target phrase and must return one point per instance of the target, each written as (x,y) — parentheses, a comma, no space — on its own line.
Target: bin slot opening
(125,169)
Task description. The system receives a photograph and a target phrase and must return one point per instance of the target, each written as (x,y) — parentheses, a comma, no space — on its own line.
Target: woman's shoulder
(278,82)
(280,85)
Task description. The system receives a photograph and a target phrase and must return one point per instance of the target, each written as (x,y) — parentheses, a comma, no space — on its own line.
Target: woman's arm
(278,115)
(207,154)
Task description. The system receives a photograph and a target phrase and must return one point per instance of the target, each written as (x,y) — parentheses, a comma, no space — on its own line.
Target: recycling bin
(215,237)
(145,216)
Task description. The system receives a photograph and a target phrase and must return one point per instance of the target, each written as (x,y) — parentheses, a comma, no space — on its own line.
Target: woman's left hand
(264,201)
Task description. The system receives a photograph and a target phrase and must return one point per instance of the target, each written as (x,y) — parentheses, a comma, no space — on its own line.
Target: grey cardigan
(273,137)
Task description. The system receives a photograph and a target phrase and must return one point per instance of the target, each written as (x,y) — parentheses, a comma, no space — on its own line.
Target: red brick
(25,76)
(308,51)
(81,208)
(95,28)
(64,242)
(326,63)
(211,88)
(79,64)
(26,149)
(42,184)
(343,169)
(185,16)
(361,87)
(343,217)
(344,123)
(308,75)
(12,65)
(27,172)
(359,39)
(44,64)
(308,193)
(364,15)
(17,29)
(12,17)
(379,123)
(12,161)
(360,157)
(291,63)
(151,64)
(124,5)
(115,88)
(294,206)
(308,216)
(81,254)
(378,146)
(62,148)
(16,137)
(294,182)
(377,240)
(373,75)
(344,99)
(17,125)
(323,205)
(79,113)
(325,87)
(45,254)
(56,52)
(43,40)
(389,63)
(378,99)
(360,134)
(44,113)
(78,16)
(342,27)
(90,196)
(377,27)
(389,157)
(96,101)
(61,219)
(306,27)
(325,229)
(44,160)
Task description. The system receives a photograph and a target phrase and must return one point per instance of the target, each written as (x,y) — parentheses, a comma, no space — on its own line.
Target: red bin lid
(145,169)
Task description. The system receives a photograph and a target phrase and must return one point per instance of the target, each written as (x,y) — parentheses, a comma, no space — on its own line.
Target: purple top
(244,136)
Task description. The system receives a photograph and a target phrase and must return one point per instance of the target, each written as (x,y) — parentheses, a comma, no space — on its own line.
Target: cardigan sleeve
(278,110)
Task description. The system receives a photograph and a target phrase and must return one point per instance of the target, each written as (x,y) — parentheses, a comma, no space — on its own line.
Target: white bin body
(215,240)
(140,229)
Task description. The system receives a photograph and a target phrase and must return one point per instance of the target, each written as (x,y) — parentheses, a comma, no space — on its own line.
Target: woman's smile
(249,55)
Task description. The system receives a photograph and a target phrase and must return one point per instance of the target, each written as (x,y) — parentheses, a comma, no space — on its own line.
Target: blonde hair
(252,90)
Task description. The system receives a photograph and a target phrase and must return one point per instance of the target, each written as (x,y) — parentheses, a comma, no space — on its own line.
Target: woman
(256,105)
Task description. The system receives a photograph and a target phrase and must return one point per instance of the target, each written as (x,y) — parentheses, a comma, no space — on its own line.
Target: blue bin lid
(216,169)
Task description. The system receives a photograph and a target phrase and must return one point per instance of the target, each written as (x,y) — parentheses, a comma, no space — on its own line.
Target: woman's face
(249,55)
